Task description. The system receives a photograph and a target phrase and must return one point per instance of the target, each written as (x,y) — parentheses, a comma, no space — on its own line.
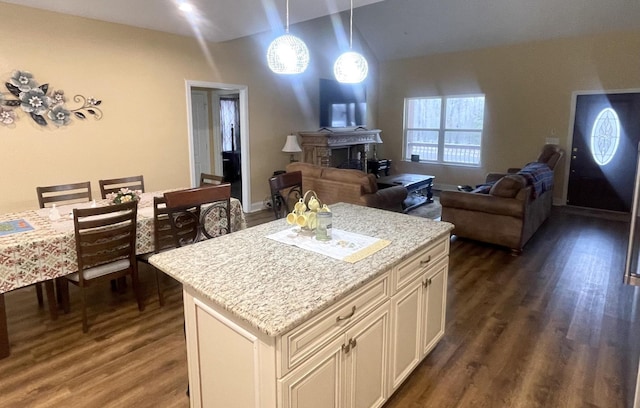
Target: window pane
(463,155)
(465,113)
(423,113)
(462,138)
(425,152)
(423,136)
(424,143)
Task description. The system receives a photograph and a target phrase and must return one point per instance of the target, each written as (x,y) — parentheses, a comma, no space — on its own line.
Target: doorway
(604,151)
(228,111)
(195,134)
(209,133)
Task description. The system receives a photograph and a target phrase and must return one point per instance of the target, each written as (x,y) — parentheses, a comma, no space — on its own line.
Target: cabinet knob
(346,347)
(425,262)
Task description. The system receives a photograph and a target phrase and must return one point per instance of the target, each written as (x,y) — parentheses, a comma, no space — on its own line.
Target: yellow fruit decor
(305,210)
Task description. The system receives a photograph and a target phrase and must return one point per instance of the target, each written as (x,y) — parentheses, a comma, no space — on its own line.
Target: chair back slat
(64,193)
(109,186)
(104,235)
(162,233)
(189,211)
(286,190)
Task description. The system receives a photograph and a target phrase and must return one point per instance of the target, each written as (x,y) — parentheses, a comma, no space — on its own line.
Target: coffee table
(418,185)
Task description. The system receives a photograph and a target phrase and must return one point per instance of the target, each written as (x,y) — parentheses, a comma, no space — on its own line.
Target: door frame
(244,134)
(572,124)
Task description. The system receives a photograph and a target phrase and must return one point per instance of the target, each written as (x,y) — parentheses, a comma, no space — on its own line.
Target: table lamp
(291,146)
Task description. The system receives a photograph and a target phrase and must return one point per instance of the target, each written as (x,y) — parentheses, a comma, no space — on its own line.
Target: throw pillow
(508,186)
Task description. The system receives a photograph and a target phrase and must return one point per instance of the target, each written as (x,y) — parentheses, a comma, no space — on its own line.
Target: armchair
(511,209)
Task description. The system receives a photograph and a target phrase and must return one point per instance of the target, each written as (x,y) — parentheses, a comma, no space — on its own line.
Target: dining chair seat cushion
(101,270)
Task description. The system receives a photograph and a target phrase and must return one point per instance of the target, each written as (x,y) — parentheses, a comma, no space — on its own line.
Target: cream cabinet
(348,372)
(354,354)
(417,310)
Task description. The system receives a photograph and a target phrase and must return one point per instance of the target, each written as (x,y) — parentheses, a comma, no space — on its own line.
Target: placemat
(14,227)
(345,246)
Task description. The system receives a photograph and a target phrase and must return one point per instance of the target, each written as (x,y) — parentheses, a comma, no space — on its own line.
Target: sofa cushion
(508,186)
(307,169)
(351,177)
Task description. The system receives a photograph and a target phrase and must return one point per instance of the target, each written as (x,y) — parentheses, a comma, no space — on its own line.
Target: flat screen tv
(342,105)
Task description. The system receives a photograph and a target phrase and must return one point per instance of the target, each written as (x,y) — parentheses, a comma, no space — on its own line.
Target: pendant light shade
(288,54)
(351,67)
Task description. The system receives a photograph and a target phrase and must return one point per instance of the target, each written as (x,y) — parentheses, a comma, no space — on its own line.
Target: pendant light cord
(287,31)
(350,27)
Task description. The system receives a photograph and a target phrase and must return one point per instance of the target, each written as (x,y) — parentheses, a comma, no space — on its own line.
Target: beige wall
(140,77)
(528,91)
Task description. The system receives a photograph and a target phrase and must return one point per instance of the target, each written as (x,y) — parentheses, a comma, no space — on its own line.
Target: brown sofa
(512,210)
(334,185)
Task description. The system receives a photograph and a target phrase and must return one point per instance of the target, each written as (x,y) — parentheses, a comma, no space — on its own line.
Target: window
(444,129)
(605,136)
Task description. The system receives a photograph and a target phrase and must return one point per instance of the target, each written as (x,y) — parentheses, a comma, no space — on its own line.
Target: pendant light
(351,67)
(288,54)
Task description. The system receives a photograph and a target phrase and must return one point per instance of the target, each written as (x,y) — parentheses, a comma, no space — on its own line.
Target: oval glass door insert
(605,136)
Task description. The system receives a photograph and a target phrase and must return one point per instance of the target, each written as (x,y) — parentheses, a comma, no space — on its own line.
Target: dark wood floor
(554,327)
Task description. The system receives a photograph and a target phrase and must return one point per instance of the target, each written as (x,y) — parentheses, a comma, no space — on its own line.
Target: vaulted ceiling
(392,28)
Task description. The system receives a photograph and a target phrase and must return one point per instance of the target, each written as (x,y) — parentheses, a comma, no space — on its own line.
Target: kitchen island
(272,325)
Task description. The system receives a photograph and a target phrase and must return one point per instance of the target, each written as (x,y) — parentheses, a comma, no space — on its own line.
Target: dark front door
(605,147)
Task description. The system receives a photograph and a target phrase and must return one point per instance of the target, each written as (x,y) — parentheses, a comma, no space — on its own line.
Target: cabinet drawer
(418,263)
(301,342)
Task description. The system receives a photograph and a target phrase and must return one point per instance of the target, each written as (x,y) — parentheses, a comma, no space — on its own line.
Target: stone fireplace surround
(331,148)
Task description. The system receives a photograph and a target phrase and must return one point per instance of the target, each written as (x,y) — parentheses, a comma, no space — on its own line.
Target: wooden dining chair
(59,194)
(210,179)
(190,209)
(106,249)
(114,185)
(286,190)
(162,239)
(64,194)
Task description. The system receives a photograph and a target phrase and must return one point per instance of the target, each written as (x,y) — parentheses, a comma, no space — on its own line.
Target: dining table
(39,245)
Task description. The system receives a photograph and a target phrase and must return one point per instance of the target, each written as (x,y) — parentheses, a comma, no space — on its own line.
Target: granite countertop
(273,286)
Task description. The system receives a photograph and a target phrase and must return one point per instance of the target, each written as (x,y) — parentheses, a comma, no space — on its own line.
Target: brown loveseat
(511,209)
(334,185)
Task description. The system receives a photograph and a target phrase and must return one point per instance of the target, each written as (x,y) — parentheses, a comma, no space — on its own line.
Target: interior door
(603,155)
(201,134)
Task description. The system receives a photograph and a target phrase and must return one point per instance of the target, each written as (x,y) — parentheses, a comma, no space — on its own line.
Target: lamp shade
(351,68)
(291,145)
(288,54)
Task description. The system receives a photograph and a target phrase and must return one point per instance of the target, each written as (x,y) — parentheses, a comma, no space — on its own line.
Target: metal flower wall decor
(42,103)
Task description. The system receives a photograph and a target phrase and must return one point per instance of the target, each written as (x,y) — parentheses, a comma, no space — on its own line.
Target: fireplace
(338,148)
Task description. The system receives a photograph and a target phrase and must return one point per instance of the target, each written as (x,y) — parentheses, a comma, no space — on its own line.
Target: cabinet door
(435,304)
(367,358)
(318,382)
(406,347)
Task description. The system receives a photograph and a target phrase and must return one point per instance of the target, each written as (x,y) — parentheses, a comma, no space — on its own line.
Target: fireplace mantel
(317,146)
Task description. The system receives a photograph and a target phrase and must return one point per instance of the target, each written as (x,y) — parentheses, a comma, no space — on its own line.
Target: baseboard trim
(259,206)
